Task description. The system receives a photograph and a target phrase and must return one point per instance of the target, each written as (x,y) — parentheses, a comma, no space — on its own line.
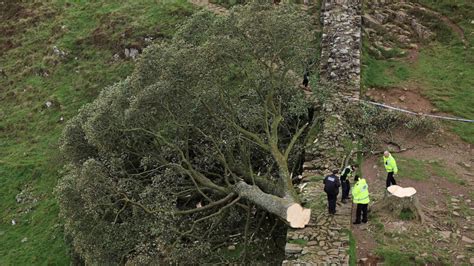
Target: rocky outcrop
(392,24)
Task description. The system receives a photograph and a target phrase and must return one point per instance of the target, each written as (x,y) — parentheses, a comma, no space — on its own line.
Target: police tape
(411,112)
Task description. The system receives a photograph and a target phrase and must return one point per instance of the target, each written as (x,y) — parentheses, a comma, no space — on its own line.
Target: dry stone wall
(325,240)
(340,43)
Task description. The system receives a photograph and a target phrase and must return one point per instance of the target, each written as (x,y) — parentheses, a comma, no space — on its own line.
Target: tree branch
(209,206)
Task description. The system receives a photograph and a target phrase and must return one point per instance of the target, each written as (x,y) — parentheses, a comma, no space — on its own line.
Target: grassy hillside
(55,56)
(444,69)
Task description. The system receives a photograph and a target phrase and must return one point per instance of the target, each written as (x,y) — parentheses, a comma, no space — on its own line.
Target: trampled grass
(89,33)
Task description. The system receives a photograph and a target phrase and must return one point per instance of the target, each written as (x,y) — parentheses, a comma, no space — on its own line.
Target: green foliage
(190,122)
(90,33)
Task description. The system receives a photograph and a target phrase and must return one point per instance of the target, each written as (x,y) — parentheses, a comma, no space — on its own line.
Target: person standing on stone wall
(360,196)
(347,173)
(391,168)
(331,187)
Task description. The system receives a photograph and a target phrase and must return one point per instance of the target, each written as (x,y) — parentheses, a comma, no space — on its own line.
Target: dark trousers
(390,180)
(332,198)
(346,186)
(361,212)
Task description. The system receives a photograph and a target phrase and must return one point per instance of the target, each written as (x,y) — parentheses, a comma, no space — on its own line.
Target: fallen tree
(198,144)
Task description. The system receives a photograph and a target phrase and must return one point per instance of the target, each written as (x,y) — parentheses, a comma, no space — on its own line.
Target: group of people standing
(360,190)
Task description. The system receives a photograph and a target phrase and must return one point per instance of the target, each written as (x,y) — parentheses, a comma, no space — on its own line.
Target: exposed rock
(467,240)
(371,22)
(131,52)
(460,257)
(455,213)
(291,248)
(231,247)
(445,234)
(58,52)
(24,240)
(322,253)
(402,98)
(48,104)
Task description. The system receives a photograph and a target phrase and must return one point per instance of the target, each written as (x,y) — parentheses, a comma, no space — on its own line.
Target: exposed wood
(401,199)
(401,192)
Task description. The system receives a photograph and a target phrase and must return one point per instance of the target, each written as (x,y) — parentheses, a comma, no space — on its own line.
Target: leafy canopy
(193,119)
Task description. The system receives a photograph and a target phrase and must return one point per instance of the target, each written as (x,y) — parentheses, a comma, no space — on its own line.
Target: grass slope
(31,74)
(445,68)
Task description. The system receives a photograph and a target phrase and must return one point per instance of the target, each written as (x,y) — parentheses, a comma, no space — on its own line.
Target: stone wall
(325,240)
(340,45)
(339,70)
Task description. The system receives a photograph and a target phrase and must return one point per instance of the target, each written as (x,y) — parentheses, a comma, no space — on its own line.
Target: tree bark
(285,208)
(399,201)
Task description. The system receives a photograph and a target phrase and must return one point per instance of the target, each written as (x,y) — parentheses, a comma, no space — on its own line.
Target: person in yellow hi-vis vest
(360,196)
(391,168)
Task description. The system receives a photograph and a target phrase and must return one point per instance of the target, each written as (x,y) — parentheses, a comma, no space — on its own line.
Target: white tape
(411,112)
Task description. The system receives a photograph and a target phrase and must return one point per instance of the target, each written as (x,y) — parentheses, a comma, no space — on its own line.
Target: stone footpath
(325,240)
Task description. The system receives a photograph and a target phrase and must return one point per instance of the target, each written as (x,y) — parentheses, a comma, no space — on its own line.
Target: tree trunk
(285,208)
(401,200)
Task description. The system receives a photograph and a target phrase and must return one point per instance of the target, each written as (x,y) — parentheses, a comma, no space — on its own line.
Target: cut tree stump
(400,200)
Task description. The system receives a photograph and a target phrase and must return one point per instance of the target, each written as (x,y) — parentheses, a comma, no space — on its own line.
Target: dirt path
(407,97)
(437,194)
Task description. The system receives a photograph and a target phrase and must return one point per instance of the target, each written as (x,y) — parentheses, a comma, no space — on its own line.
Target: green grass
(440,170)
(299,241)
(381,73)
(90,33)
(352,249)
(392,256)
(413,169)
(421,170)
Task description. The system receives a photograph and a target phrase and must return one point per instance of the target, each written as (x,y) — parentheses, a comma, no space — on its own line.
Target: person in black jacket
(347,173)
(331,187)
